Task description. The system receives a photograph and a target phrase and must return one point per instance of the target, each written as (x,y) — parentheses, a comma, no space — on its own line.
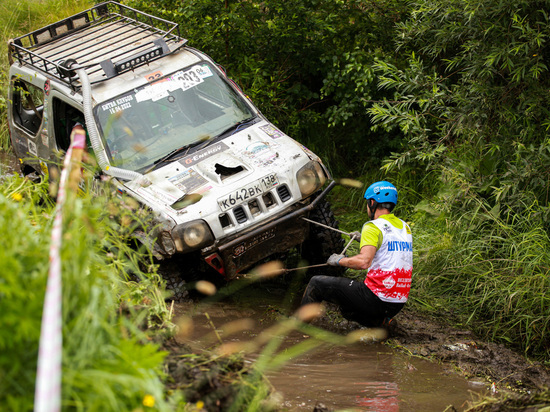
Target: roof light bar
(138,59)
(158,49)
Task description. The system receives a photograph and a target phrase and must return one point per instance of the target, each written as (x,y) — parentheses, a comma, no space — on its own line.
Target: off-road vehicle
(227,188)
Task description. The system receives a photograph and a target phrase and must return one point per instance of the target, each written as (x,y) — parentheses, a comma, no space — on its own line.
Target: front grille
(283,192)
(240,214)
(255,207)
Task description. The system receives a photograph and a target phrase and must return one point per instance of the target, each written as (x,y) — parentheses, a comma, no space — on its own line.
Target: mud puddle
(360,376)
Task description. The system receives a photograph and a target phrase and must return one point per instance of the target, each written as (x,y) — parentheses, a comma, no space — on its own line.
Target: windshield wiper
(236,126)
(170,155)
(232,128)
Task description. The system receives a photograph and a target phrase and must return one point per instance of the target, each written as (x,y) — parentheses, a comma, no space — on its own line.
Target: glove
(355,235)
(334,259)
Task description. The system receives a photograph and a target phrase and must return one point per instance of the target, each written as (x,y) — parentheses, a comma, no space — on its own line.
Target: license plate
(248,192)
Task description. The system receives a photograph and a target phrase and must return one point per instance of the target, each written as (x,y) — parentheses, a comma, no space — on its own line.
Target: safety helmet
(382,192)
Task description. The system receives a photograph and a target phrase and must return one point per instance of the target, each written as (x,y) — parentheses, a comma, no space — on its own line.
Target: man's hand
(355,235)
(334,259)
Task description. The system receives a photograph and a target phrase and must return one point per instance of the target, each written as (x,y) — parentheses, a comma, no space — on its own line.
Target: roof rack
(106,40)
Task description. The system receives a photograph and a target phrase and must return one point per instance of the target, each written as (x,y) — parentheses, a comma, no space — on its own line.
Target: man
(386,254)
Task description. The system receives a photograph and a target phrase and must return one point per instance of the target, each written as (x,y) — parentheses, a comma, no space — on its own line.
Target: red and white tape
(48,378)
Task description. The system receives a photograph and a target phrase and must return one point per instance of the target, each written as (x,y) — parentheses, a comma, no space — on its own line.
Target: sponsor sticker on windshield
(117,105)
(183,80)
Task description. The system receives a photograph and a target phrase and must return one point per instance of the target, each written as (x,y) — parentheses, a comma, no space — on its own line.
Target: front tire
(323,242)
(171,272)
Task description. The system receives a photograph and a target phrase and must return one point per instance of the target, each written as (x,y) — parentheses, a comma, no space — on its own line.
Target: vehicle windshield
(188,107)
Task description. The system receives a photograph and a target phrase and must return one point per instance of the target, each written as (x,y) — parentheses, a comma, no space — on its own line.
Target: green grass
(19,17)
(486,269)
(493,272)
(109,360)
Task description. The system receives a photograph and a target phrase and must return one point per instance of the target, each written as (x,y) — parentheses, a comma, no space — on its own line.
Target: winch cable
(326,226)
(320,264)
(352,238)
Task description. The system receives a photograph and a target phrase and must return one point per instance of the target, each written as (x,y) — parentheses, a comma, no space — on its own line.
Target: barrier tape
(47,397)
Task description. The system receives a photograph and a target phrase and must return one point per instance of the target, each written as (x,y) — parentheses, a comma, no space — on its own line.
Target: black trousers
(356,301)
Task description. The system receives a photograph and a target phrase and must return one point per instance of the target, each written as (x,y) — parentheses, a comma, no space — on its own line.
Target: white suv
(227,188)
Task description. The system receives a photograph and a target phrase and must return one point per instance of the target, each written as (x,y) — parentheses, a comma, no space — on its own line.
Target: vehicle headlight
(192,235)
(310,178)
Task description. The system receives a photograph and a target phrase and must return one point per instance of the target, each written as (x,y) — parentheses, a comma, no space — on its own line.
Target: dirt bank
(517,383)
(465,352)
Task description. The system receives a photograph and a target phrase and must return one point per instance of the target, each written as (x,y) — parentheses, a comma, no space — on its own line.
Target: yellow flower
(16,196)
(200,405)
(149,400)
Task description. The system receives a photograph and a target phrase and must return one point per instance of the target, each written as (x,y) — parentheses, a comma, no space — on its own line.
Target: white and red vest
(389,275)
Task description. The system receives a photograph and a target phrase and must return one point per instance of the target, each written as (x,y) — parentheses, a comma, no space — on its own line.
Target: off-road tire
(171,271)
(322,242)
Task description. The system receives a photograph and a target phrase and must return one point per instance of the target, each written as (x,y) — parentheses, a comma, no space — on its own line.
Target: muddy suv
(226,187)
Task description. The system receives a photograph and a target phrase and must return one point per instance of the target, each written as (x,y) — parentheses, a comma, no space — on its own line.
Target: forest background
(447,99)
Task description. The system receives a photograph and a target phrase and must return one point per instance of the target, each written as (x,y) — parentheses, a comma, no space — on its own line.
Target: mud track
(517,383)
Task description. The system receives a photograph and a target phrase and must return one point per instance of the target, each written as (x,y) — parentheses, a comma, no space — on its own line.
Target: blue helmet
(382,192)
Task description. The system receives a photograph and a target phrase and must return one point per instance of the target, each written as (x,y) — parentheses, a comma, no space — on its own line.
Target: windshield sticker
(203,154)
(271,131)
(203,71)
(180,80)
(118,105)
(190,181)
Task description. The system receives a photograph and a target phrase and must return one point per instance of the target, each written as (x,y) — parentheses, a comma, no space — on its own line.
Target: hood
(223,166)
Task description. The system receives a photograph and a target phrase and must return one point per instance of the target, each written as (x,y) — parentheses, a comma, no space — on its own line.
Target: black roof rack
(106,40)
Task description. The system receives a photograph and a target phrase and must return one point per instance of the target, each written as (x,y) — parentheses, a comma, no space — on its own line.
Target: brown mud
(424,336)
(517,383)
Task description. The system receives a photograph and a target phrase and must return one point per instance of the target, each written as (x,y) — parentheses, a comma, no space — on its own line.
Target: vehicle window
(65,117)
(28,105)
(187,107)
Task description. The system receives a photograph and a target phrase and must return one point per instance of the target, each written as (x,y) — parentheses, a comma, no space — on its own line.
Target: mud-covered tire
(322,242)
(177,286)
(171,272)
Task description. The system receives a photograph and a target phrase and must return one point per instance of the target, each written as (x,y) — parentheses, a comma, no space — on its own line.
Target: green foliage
(472,104)
(305,63)
(490,267)
(22,286)
(108,360)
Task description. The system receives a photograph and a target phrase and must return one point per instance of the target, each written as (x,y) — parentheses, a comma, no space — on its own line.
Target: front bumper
(277,236)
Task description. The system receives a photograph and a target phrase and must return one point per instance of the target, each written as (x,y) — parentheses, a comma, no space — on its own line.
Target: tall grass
(18,17)
(491,269)
(109,362)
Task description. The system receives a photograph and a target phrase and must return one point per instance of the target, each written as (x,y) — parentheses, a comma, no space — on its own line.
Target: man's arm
(362,261)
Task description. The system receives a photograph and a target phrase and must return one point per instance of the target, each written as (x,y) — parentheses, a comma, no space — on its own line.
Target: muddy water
(359,377)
